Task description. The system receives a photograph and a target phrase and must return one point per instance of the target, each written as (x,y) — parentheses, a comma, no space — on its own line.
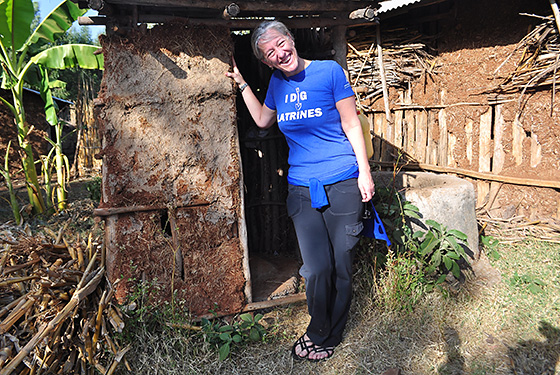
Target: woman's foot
(305,349)
(319,353)
(302,347)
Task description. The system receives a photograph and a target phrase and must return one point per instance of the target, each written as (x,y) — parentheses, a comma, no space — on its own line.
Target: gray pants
(326,240)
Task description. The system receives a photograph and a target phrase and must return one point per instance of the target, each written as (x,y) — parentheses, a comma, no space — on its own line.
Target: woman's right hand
(235,75)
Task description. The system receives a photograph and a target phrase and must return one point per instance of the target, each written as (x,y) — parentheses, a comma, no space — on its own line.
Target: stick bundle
(539,64)
(403,60)
(519,228)
(56,314)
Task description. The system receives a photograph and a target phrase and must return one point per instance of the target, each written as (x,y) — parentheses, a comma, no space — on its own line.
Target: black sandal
(320,349)
(304,344)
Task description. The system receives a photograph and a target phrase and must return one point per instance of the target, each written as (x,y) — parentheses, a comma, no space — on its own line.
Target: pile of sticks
(55,307)
(402,64)
(519,228)
(539,64)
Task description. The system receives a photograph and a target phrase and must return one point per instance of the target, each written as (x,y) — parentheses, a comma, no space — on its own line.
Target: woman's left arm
(353,130)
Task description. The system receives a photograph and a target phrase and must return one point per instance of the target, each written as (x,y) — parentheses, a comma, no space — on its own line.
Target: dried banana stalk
(58,301)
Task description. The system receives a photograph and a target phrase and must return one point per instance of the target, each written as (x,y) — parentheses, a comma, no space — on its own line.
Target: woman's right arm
(263,116)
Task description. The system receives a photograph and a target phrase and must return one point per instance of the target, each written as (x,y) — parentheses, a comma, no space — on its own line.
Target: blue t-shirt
(305,106)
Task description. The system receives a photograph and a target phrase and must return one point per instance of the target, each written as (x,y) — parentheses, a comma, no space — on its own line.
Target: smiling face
(280,52)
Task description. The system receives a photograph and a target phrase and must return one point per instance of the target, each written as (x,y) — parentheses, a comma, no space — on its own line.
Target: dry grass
(510,327)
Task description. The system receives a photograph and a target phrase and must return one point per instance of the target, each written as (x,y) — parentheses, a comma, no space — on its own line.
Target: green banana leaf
(15,22)
(69,56)
(55,24)
(46,94)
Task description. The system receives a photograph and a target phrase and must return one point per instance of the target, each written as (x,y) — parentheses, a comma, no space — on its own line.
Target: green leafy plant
(94,188)
(417,260)
(491,245)
(20,59)
(533,284)
(246,329)
(442,248)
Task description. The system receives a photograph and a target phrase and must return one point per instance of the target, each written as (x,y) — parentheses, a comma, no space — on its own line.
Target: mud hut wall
(171,168)
(452,120)
(481,138)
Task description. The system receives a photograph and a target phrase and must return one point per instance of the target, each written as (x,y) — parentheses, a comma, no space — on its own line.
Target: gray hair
(259,35)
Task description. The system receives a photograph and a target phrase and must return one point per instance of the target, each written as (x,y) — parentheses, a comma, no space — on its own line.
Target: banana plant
(20,57)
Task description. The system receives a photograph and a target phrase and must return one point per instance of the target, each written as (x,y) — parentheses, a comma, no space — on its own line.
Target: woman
(329,175)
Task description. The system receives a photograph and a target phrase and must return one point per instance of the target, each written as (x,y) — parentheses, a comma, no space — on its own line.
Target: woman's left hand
(366,186)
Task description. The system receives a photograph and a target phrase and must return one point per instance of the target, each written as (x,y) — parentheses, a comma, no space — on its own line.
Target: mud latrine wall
(171,171)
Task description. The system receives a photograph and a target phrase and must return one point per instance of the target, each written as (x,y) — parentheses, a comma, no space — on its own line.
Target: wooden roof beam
(300,6)
(234,24)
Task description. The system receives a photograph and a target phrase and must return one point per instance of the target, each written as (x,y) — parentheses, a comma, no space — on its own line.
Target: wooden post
(382,74)
(340,46)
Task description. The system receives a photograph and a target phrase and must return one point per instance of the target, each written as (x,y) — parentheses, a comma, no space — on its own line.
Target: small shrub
(416,262)
(440,250)
(223,336)
(94,188)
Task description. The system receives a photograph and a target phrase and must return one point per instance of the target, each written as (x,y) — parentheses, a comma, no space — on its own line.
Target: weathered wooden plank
(398,129)
(442,142)
(518,135)
(484,154)
(536,150)
(498,158)
(410,132)
(469,138)
(485,141)
(451,143)
(376,119)
(385,146)
(431,148)
(421,135)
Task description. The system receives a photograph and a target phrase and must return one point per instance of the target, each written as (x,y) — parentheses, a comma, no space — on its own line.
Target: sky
(46,6)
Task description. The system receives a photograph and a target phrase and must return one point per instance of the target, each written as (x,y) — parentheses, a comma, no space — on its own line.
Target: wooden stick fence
(420,135)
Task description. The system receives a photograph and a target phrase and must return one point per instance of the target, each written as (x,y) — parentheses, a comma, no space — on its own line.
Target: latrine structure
(194,194)
(190,187)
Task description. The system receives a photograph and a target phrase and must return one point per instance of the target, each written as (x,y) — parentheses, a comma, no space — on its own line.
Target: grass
(506,320)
